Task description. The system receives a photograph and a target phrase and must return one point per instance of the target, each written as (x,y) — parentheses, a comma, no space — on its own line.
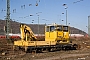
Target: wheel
(51,49)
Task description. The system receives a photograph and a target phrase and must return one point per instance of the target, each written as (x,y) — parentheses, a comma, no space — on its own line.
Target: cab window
(52,28)
(59,28)
(65,28)
(47,29)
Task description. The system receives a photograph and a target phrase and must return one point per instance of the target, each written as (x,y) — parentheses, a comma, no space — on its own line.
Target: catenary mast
(8,19)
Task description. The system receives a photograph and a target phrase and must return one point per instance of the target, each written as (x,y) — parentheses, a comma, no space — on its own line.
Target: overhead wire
(22,7)
(78,1)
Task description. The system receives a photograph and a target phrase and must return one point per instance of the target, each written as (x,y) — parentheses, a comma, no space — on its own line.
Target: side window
(52,28)
(47,29)
(65,28)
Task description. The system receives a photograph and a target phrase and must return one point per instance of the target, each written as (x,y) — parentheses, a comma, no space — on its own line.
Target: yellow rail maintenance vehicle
(56,37)
(58,33)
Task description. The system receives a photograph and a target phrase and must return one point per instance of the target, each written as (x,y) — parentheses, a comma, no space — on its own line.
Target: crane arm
(27,33)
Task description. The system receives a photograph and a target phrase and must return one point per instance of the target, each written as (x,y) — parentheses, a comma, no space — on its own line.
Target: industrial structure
(8,19)
(89,25)
(56,37)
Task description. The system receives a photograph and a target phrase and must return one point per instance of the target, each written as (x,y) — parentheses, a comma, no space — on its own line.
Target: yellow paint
(52,36)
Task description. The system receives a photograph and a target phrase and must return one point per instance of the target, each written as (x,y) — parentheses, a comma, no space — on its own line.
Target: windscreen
(56,28)
(59,28)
